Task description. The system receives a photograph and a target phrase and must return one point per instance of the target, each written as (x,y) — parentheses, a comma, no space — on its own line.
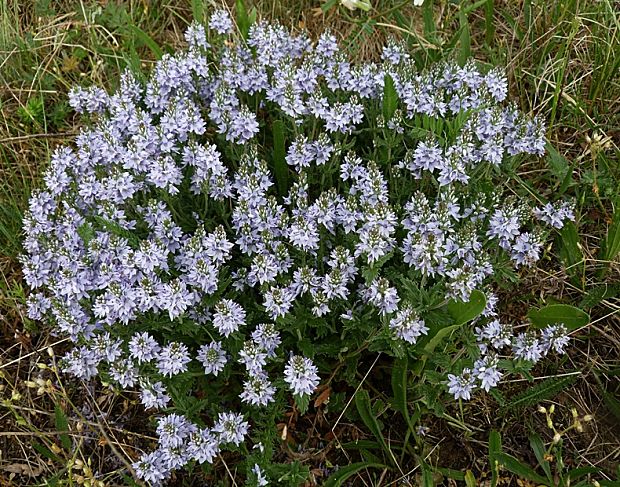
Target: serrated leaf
(114,228)
(46,452)
(515,466)
(544,390)
(598,294)
(86,233)
(62,425)
(390,98)
(571,316)
(337,478)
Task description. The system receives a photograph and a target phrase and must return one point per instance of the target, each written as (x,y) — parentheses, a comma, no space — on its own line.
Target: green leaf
(461,313)
(495,447)
(464,39)
(539,450)
(570,316)
(279,157)
(342,474)
(146,40)
(302,402)
(244,21)
(611,246)
(470,480)
(577,473)
(46,452)
(86,233)
(198,10)
(114,228)
(399,385)
(451,473)
(390,98)
(489,21)
(427,475)
(474,6)
(612,403)
(253,15)
(515,466)
(570,250)
(545,390)
(429,20)
(364,409)
(598,294)
(62,425)
(558,165)
(329,4)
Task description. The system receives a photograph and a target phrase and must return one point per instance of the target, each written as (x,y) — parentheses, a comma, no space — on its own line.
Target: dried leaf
(323,397)
(23,469)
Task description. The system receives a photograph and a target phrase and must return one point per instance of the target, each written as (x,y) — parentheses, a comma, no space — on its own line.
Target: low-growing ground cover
(560,66)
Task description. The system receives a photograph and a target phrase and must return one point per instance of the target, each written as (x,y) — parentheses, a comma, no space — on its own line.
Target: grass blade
(147,41)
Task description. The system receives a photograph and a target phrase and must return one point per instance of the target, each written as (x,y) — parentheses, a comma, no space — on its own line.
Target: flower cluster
(169,243)
(496,338)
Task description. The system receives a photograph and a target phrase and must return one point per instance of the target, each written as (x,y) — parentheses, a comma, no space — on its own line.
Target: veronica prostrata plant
(261,209)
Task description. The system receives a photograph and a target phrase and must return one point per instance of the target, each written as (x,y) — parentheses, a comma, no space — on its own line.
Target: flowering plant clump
(260,209)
